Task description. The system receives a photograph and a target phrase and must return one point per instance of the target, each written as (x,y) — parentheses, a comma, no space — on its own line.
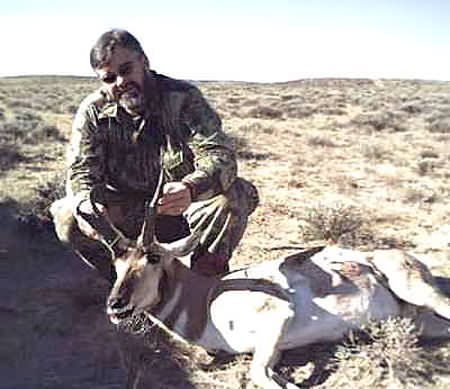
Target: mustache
(131,87)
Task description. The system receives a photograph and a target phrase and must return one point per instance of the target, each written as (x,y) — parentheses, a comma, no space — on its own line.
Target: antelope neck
(184,301)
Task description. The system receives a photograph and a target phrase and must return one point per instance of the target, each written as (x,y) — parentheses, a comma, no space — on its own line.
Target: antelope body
(313,296)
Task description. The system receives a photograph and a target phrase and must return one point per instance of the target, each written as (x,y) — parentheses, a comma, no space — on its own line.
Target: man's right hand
(84,212)
(176,198)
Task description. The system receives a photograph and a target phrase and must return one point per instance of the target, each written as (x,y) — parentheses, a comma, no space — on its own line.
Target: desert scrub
(429,154)
(441,126)
(12,133)
(46,193)
(44,132)
(20,103)
(330,222)
(384,355)
(234,100)
(265,112)
(332,108)
(379,121)
(412,108)
(255,127)
(320,141)
(32,132)
(26,115)
(243,150)
(418,196)
(10,155)
(375,151)
(299,111)
(426,166)
(289,97)
(440,110)
(29,128)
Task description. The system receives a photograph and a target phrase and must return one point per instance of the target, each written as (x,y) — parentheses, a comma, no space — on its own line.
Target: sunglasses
(124,70)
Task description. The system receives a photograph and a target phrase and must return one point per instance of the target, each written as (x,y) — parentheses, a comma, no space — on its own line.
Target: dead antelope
(316,295)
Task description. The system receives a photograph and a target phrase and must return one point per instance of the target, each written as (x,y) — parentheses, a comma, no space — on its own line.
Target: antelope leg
(267,352)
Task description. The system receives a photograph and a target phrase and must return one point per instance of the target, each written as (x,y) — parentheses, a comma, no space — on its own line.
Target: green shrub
(330,222)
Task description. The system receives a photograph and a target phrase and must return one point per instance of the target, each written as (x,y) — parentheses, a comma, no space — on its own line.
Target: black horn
(147,235)
(109,235)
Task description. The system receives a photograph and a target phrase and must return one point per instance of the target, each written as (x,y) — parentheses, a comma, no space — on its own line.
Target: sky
(239,40)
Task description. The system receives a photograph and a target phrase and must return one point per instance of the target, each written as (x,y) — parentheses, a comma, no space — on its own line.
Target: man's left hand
(175,200)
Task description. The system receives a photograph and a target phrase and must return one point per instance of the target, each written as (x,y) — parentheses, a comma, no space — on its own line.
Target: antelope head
(141,267)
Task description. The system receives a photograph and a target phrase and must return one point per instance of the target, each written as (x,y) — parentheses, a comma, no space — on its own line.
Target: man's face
(123,79)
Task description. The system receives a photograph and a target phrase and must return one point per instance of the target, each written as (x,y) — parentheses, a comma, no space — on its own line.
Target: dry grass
(365,163)
(386,355)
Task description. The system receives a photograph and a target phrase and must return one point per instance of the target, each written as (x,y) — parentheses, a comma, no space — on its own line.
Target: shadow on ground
(53,329)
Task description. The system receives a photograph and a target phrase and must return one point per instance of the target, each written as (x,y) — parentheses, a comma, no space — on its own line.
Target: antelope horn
(147,235)
(94,195)
(108,234)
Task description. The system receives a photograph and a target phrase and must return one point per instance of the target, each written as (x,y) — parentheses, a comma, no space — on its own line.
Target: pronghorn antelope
(313,296)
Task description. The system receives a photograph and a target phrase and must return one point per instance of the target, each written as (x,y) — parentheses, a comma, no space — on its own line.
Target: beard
(132,99)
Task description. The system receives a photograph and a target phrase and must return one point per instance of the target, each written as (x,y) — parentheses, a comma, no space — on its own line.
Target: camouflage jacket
(109,146)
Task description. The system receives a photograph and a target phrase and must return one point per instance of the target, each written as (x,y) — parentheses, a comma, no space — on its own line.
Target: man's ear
(144,61)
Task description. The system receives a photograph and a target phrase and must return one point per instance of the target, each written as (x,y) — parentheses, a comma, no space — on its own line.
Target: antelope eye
(153,258)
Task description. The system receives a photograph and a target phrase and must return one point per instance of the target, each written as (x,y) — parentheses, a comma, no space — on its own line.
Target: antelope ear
(182,247)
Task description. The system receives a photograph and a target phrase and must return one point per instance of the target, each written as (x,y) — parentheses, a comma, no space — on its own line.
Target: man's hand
(175,200)
(84,212)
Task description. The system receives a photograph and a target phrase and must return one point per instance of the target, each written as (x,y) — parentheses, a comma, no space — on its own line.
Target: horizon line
(49,75)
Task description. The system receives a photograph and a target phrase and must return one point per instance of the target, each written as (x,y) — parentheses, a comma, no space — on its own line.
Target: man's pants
(220,221)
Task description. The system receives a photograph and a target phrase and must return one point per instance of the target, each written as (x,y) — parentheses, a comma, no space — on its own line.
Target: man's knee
(90,251)
(63,219)
(242,196)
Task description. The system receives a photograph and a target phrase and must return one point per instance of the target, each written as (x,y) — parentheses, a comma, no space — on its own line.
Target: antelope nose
(116,303)
(120,81)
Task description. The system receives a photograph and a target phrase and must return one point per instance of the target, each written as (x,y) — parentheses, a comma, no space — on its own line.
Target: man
(118,136)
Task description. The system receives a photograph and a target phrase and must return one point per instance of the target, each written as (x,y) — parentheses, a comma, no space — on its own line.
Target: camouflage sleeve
(214,158)
(85,157)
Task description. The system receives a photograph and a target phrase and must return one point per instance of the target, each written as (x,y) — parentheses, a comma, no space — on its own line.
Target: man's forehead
(119,57)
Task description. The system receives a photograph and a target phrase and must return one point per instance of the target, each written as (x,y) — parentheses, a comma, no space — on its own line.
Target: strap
(252,285)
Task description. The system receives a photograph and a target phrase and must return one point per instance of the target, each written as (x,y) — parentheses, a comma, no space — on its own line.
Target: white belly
(243,317)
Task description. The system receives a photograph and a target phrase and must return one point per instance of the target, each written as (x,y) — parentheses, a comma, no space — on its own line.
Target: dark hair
(103,49)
